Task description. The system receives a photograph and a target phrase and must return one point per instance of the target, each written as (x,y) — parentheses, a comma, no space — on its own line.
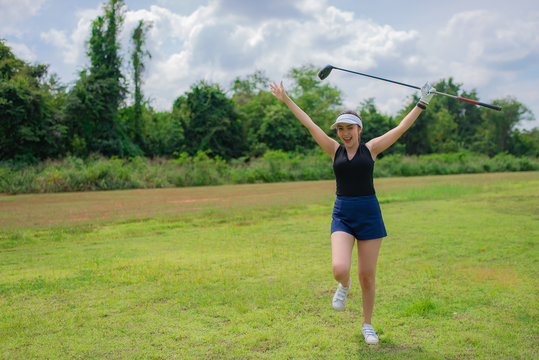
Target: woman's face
(349,134)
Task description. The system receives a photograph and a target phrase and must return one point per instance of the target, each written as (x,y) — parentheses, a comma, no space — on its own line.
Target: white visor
(347,119)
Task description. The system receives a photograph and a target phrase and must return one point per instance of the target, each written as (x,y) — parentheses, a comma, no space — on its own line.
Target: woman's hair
(350,112)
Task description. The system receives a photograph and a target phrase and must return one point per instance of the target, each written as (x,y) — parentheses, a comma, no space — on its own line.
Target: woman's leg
(342,245)
(367,251)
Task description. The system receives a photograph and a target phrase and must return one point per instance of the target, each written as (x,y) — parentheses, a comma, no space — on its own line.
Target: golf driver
(324,73)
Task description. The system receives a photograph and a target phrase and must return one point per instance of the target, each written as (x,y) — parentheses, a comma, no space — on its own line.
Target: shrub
(98,173)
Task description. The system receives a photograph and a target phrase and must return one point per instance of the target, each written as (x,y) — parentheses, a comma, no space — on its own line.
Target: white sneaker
(370,335)
(339,299)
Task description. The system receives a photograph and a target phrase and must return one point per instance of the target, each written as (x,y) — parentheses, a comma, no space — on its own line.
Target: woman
(356,214)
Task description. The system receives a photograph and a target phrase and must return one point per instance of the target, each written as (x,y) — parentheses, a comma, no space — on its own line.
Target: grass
(243,272)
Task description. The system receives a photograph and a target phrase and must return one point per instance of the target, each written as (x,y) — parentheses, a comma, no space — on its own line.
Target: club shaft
(494,107)
(379,78)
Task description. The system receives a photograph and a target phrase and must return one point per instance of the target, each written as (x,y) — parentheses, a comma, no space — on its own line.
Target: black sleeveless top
(354,177)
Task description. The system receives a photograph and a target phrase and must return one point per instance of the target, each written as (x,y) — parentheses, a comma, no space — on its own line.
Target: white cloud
(15,12)
(489,51)
(206,45)
(22,51)
(312,6)
(218,40)
(72,46)
(58,39)
(486,41)
(171,40)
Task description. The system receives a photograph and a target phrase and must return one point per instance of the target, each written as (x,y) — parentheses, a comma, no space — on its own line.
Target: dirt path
(36,210)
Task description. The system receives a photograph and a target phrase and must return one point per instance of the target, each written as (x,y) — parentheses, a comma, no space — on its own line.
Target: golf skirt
(359,216)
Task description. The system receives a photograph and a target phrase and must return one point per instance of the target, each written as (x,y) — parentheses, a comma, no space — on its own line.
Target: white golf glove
(427,92)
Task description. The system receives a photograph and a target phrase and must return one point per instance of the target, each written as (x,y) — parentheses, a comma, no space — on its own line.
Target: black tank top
(354,177)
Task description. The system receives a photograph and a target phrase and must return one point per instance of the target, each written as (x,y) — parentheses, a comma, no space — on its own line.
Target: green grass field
(244,272)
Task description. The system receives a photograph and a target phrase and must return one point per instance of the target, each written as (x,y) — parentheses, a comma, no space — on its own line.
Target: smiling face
(350,134)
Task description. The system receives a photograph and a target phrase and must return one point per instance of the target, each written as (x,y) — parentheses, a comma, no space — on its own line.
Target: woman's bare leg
(367,251)
(342,245)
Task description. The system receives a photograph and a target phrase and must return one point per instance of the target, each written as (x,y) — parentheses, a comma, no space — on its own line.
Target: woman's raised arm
(379,144)
(326,143)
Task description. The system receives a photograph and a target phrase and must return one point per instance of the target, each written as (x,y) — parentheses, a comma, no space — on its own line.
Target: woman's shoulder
(366,150)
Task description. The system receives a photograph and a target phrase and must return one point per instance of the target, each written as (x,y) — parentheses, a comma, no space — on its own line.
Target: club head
(324,73)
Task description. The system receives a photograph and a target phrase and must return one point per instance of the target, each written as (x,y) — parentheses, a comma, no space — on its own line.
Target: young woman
(356,214)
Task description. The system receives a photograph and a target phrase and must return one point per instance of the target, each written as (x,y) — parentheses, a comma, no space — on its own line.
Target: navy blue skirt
(359,216)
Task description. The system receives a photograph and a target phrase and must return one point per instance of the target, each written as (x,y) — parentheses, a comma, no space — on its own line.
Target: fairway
(244,272)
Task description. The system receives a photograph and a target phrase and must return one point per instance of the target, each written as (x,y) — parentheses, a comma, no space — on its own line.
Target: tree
(165,136)
(246,89)
(497,126)
(252,103)
(524,142)
(29,126)
(93,103)
(376,124)
(414,139)
(280,130)
(270,124)
(138,39)
(161,132)
(320,101)
(466,116)
(210,122)
(9,63)
(440,137)
(446,125)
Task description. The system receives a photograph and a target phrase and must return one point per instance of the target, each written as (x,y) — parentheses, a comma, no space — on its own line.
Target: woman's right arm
(326,143)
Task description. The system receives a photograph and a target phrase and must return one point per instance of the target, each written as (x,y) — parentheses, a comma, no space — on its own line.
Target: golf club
(324,73)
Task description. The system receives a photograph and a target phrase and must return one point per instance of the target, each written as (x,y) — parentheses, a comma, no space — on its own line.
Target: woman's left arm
(381,143)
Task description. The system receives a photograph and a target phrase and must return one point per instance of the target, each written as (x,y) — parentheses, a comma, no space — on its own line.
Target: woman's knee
(367,278)
(340,270)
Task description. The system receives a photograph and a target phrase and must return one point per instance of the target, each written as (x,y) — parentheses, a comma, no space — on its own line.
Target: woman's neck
(351,150)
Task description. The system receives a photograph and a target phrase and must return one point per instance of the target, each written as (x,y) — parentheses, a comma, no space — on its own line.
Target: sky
(491,46)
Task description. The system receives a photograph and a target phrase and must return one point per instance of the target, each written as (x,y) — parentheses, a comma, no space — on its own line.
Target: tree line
(41,118)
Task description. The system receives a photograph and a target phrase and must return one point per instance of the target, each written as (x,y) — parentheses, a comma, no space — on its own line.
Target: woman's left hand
(427,92)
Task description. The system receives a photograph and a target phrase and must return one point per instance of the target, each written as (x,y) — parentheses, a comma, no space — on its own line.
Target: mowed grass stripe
(253,280)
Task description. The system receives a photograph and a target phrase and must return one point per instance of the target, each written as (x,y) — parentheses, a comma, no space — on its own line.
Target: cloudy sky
(491,46)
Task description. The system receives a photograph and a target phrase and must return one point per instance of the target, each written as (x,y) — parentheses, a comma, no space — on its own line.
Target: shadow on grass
(388,349)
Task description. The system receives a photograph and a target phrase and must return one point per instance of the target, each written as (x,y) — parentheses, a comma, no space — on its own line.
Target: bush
(98,173)
(451,163)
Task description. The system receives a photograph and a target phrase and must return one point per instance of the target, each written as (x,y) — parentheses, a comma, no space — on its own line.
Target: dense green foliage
(30,126)
(137,61)
(93,103)
(98,173)
(210,122)
(42,119)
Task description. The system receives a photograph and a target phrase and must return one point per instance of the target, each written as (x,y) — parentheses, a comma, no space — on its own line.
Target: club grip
(494,107)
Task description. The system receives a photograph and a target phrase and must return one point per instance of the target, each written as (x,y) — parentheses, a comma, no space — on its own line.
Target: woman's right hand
(278,91)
